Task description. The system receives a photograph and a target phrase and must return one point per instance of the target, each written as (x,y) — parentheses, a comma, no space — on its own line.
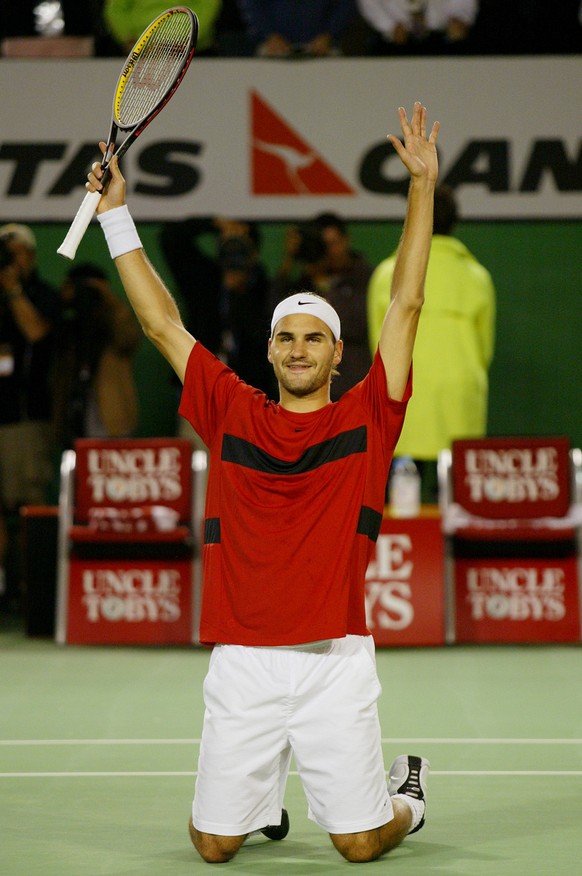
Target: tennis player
(294,505)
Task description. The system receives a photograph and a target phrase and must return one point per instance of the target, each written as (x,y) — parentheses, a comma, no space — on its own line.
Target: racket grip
(79,225)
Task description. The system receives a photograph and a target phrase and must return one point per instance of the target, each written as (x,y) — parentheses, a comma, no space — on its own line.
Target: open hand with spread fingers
(418,152)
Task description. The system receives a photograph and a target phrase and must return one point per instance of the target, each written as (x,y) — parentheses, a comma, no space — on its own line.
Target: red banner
(130,602)
(129,475)
(517,600)
(506,478)
(405,595)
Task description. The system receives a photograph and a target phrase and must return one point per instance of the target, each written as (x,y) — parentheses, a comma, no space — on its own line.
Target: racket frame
(90,203)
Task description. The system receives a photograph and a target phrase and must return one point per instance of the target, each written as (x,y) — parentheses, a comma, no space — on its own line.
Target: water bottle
(404,488)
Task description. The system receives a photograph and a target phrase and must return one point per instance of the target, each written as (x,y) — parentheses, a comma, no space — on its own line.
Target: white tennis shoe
(409,775)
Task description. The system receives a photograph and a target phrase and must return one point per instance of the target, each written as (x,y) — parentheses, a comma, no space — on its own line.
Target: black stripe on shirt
(242,452)
(212,530)
(369,523)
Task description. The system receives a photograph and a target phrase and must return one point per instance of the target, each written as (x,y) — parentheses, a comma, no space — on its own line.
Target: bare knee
(367,845)
(215,849)
(358,848)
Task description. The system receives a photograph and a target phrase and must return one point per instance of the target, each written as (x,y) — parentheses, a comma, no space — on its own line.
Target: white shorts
(262,705)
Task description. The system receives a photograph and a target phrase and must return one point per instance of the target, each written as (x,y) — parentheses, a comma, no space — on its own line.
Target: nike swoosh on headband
(319,308)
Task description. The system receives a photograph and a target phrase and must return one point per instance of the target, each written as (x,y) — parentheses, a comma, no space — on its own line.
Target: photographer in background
(303,263)
(244,295)
(224,286)
(319,258)
(95,395)
(29,309)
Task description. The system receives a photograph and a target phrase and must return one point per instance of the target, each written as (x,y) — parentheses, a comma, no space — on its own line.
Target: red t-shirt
(293,507)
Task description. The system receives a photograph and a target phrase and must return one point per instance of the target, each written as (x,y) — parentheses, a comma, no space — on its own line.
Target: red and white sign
(122,475)
(517,600)
(130,602)
(127,488)
(126,573)
(405,594)
(504,478)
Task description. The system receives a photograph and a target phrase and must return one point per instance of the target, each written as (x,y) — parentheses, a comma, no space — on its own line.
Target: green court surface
(98,750)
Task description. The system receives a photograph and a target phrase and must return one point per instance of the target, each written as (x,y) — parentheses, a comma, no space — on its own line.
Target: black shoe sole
(278,831)
(418,826)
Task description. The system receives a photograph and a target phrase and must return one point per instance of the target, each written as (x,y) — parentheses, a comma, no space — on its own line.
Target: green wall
(536,266)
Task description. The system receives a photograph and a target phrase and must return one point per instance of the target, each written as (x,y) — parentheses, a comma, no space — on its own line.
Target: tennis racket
(150,76)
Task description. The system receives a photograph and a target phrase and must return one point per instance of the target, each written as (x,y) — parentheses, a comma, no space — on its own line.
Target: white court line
(428,740)
(485,740)
(505,773)
(188,774)
(16,742)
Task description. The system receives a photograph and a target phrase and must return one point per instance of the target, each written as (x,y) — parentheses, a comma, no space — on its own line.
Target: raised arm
(419,156)
(152,302)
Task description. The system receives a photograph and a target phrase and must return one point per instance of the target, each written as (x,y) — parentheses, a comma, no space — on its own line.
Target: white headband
(311,304)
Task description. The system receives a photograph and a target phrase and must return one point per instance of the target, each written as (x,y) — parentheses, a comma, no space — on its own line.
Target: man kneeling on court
(294,504)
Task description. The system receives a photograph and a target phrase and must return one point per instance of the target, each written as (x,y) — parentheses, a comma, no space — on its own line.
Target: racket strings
(154,72)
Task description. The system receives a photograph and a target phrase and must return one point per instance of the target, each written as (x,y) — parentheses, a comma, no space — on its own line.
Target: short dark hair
(312,247)
(331,220)
(446,214)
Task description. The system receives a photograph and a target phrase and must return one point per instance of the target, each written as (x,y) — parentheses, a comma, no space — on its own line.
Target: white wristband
(120,231)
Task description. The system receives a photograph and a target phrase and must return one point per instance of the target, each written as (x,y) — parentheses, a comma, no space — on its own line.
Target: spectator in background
(283,28)
(29,309)
(453,349)
(349,274)
(95,394)
(232,39)
(419,26)
(127,19)
(526,27)
(330,267)
(244,299)
(225,290)
(303,265)
(197,275)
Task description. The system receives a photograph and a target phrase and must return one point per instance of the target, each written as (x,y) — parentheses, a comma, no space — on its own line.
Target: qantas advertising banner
(266,139)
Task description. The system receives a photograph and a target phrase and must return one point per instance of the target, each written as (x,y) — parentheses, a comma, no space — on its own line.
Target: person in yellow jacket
(127,19)
(453,349)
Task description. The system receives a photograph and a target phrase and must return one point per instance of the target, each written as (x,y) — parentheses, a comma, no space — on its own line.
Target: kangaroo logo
(283,163)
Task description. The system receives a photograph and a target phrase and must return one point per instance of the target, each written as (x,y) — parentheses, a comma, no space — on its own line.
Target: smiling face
(303,354)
